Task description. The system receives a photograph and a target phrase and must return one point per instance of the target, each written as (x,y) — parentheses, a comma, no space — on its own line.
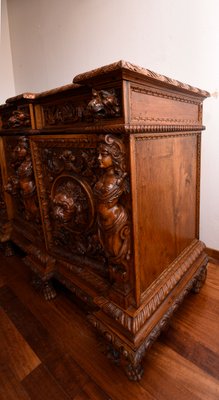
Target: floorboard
(14,350)
(48,350)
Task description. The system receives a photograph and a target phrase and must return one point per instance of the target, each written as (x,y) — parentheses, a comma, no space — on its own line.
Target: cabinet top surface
(126,70)
(120,70)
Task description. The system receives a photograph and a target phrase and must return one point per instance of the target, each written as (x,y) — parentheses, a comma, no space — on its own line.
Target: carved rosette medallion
(112,216)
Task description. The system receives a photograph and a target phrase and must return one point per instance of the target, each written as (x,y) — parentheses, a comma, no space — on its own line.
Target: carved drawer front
(21,187)
(75,106)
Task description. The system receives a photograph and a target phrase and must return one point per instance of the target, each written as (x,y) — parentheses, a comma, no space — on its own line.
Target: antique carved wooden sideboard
(100,188)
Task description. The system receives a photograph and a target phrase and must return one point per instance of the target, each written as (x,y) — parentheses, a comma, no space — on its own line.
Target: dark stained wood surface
(99,186)
(167,232)
(48,351)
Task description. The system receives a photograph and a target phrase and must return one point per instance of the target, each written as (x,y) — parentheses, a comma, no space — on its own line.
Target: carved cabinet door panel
(83,188)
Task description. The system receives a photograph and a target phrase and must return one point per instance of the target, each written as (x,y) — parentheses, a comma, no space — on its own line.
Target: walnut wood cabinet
(100,187)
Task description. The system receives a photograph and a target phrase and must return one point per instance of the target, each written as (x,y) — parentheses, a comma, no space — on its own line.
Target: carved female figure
(23,181)
(113,224)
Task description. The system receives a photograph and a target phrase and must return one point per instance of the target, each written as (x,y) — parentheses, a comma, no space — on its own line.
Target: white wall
(7,88)
(53,40)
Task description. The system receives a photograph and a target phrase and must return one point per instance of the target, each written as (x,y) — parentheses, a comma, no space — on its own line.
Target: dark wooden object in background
(100,188)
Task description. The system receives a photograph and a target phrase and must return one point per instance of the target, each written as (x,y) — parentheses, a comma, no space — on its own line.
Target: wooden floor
(49,351)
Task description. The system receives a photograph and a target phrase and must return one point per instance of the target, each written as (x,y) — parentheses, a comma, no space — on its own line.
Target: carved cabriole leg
(45,286)
(133,369)
(42,266)
(48,290)
(134,372)
(113,354)
(119,353)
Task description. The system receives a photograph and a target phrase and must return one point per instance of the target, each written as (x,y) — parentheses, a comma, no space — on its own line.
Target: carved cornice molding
(156,93)
(188,122)
(141,128)
(145,73)
(155,137)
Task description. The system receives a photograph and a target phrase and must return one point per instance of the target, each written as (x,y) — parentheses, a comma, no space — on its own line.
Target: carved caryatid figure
(22,182)
(113,222)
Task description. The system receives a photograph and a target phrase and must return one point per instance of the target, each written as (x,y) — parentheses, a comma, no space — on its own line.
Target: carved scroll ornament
(113,221)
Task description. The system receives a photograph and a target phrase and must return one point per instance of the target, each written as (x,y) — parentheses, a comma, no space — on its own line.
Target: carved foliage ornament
(62,113)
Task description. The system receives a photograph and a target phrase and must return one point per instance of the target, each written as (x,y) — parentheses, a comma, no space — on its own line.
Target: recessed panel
(166,201)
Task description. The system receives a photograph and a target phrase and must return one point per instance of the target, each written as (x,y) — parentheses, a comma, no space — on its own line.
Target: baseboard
(213,254)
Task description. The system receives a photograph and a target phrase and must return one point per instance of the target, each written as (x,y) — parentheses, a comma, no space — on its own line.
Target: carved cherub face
(105,159)
(20,152)
(63,207)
